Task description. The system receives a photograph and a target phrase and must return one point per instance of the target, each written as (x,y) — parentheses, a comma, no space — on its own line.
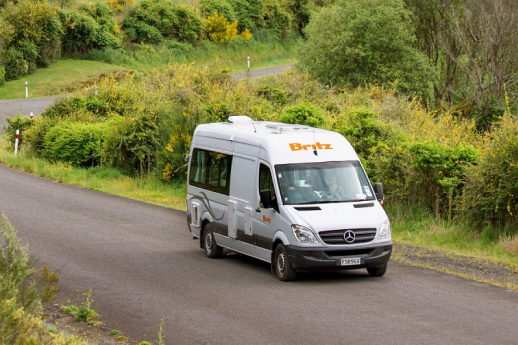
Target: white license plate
(350,261)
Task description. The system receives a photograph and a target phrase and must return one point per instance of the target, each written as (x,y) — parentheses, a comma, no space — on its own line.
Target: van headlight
(303,234)
(385,231)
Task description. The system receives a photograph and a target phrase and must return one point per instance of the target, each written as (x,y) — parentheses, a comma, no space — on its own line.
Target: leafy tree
(353,43)
(34,30)
(223,7)
(249,13)
(153,17)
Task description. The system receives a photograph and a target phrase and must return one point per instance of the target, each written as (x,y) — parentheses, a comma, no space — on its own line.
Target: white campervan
(294,196)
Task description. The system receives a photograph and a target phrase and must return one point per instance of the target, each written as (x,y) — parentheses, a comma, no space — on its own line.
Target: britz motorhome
(294,196)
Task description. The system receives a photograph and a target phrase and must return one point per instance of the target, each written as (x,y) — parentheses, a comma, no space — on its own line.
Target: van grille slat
(336,237)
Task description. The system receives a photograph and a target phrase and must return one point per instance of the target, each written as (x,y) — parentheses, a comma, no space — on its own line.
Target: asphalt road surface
(142,265)
(24,107)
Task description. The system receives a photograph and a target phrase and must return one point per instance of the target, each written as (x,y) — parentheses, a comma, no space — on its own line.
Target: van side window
(210,170)
(265,179)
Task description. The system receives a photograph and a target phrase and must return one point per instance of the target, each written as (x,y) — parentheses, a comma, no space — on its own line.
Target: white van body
(321,213)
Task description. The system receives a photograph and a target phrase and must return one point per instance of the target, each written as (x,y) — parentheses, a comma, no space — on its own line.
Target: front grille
(336,237)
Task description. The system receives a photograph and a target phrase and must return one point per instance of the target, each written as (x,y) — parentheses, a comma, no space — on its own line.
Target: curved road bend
(142,265)
(24,107)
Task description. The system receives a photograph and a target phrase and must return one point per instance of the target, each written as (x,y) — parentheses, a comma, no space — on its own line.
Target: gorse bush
(20,305)
(219,29)
(491,192)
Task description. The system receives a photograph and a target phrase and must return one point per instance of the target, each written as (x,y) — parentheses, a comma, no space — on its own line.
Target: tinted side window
(265,179)
(210,170)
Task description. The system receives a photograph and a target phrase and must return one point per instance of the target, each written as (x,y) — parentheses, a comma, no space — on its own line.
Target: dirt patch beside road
(476,269)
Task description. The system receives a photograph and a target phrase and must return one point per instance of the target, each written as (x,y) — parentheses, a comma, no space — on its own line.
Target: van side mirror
(378,190)
(266,198)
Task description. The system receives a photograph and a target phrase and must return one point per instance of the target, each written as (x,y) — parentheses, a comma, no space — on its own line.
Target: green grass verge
(104,179)
(64,75)
(416,227)
(232,57)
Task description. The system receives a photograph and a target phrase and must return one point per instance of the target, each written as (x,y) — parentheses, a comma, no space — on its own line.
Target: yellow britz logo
(317,145)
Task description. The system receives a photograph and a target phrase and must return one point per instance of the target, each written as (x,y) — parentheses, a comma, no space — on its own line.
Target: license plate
(350,261)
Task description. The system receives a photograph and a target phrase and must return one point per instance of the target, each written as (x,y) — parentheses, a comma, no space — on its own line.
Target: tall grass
(417,227)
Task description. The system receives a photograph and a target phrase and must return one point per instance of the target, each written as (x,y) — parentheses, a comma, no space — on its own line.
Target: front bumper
(309,259)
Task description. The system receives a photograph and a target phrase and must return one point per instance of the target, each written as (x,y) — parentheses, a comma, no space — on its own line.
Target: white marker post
(16,141)
(31,115)
(26,90)
(248,66)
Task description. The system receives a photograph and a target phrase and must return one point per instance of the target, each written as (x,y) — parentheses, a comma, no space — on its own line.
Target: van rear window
(210,170)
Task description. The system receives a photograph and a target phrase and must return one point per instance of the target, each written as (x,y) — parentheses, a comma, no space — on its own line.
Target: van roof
(275,142)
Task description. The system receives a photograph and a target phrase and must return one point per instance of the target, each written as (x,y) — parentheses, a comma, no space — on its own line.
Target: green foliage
(274,93)
(14,63)
(303,113)
(249,13)
(365,133)
(491,193)
(2,75)
(77,143)
(369,42)
(154,20)
(133,145)
(35,37)
(17,123)
(90,27)
(277,19)
(208,7)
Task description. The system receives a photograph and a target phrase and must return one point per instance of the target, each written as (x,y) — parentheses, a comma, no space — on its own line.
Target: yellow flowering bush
(219,29)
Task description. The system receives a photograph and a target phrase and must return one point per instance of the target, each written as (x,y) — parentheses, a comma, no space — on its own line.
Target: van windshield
(326,182)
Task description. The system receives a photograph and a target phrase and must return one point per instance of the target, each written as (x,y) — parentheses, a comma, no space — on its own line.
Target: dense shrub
(219,29)
(249,13)
(120,6)
(366,133)
(90,27)
(134,144)
(2,75)
(14,63)
(17,123)
(223,7)
(303,113)
(36,41)
(144,22)
(77,143)
(491,192)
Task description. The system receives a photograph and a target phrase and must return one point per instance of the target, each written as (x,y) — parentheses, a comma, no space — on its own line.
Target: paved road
(142,265)
(24,107)
(37,105)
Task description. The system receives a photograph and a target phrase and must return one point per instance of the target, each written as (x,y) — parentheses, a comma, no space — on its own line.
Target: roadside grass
(62,76)
(232,57)
(416,227)
(104,179)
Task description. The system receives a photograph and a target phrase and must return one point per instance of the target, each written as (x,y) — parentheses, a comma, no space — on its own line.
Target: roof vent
(240,119)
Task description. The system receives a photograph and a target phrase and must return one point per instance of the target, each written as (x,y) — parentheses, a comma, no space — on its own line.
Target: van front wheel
(282,265)
(377,271)
(212,250)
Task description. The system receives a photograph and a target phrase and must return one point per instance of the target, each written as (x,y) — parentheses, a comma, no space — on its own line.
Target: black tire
(377,271)
(282,265)
(212,250)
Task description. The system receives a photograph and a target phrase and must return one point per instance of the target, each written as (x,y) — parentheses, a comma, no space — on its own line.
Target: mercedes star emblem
(349,236)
